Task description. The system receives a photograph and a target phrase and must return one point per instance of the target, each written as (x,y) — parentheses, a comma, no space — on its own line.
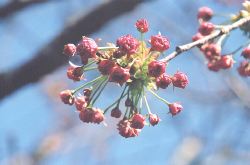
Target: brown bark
(50,57)
(15,6)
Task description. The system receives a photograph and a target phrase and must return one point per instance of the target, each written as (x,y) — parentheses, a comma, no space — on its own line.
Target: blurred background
(36,128)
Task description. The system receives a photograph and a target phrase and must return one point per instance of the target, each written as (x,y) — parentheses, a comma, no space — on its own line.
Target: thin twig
(224,30)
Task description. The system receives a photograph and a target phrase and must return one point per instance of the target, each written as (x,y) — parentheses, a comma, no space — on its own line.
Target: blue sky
(217,123)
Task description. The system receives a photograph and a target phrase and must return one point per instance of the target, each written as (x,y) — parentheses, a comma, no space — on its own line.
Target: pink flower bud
(116,112)
(91,115)
(126,130)
(87,92)
(159,43)
(98,116)
(211,51)
(213,66)
(205,13)
(67,97)
(87,47)
(226,62)
(128,102)
(119,75)
(206,28)
(127,44)
(244,69)
(197,36)
(163,81)
(142,25)
(75,73)
(69,50)
(246,53)
(138,121)
(80,103)
(154,119)
(180,80)
(175,108)
(156,68)
(106,67)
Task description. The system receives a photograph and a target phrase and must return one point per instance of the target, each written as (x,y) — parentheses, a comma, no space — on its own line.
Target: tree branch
(50,57)
(17,5)
(224,30)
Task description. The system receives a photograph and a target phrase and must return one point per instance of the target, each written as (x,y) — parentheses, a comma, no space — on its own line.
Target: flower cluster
(212,49)
(134,65)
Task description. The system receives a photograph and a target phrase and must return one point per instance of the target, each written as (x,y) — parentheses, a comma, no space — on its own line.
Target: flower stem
(107,47)
(160,98)
(99,93)
(146,102)
(87,84)
(88,64)
(90,68)
(114,103)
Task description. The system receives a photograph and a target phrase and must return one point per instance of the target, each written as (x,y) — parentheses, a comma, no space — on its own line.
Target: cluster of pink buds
(212,48)
(244,68)
(134,65)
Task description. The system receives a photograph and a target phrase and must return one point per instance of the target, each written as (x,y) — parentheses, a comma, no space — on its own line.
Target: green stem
(88,64)
(146,102)
(99,93)
(125,113)
(88,83)
(114,103)
(160,98)
(97,87)
(122,95)
(90,68)
(107,47)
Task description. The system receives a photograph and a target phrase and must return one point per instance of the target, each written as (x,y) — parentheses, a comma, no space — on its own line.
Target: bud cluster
(212,49)
(134,65)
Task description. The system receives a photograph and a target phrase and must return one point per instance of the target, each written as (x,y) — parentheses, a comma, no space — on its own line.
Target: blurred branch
(50,57)
(17,5)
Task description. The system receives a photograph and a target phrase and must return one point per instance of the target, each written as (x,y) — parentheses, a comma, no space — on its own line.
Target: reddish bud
(119,75)
(226,61)
(206,28)
(197,36)
(244,69)
(125,129)
(127,44)
(69,50)
(138,121)
(246,53)
(163,81)
(98,116)
(159,43)
(211,51)
(213,66)
(205,13)
(67,97)
(180,80)
(156,68)
(87,47)
(175,108)
(154,119)
(142,25)
(87,92)
(75,73)
(106,66)
(80,103)
(128,102)
(116,112)
(91,115)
